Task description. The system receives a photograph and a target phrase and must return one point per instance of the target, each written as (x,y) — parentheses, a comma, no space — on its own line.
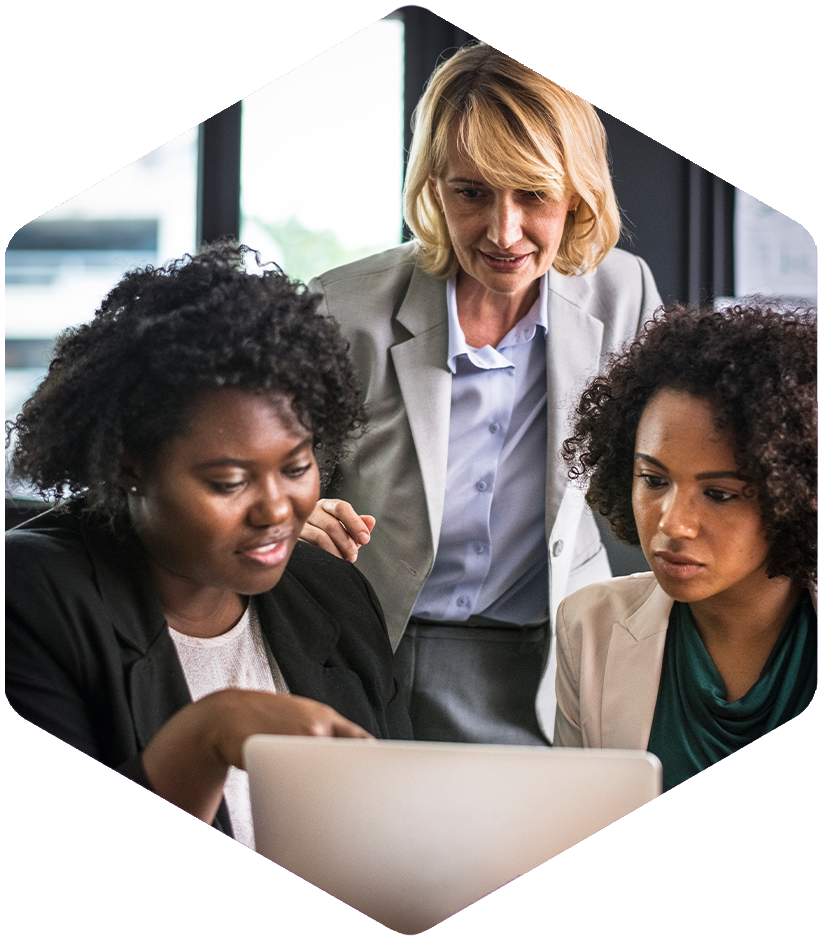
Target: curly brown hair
(755,363)
(126,379)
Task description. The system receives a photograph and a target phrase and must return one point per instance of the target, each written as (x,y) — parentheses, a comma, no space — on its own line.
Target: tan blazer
(395,317)
(610,647)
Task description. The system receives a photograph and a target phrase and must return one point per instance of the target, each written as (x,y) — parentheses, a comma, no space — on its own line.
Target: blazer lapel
(574,340)
(302,636)
(632,673)
(157,686)
(425,384)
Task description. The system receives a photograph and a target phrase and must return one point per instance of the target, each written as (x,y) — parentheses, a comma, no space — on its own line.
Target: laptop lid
(411,833)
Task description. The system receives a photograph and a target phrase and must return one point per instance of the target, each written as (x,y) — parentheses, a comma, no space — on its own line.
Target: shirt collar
(489,357)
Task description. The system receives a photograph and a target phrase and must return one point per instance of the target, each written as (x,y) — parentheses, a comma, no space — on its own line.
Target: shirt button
(557,547)
(479,548)
(494,428)
(462,601)
(481,485)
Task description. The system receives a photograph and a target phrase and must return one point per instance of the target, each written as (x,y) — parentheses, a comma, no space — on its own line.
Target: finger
(346,728)
(354,524)
(335,540)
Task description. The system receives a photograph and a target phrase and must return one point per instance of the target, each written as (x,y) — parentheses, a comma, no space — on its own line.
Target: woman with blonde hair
(469,342)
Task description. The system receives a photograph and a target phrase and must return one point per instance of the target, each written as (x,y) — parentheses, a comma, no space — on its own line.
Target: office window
(322,156)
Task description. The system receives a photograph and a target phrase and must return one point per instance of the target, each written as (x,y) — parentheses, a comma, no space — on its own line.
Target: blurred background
(309,171)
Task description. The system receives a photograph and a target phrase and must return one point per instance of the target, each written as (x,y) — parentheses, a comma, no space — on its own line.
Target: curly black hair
(126,379)
(755,363)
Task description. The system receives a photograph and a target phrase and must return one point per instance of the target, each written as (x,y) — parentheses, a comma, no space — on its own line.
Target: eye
(651,481)
(226,488)
(537,194)
(467,193)
(295,472)
(719,495)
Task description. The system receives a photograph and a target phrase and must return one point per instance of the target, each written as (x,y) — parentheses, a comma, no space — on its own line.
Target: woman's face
(504,239)
(223,504)
(700,531)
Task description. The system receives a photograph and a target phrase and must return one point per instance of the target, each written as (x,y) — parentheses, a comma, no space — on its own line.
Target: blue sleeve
(735,847)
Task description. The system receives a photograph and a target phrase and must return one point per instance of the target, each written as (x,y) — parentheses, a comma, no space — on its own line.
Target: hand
(335,527)
(588,860)
(187,760)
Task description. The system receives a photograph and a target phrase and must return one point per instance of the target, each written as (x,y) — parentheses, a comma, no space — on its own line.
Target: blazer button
(557,547)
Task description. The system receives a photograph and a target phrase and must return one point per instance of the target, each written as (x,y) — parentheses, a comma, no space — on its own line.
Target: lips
(267,553)
(504,262)
(677,566)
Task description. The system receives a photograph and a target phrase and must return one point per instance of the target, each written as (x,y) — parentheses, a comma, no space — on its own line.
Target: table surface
(560,904)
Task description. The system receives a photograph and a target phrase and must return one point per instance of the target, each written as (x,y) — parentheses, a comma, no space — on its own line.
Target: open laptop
(411,833)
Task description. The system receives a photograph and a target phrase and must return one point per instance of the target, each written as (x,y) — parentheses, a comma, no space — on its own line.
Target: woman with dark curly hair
(700,444)
(165,610)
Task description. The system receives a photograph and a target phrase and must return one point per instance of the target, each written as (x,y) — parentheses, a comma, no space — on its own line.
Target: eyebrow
(716,474)
(234,461)
(468,182)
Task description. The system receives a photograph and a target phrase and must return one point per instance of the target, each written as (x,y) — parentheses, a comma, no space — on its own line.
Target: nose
(678,516)
(270,506)
(505,222)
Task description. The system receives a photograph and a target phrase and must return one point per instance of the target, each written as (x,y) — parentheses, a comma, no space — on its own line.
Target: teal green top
(694,726)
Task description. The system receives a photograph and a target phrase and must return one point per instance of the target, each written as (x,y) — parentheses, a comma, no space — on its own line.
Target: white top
(239,658)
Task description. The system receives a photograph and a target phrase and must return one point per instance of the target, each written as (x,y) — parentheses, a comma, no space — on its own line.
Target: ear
(574,202)
(696,139)
(131,473)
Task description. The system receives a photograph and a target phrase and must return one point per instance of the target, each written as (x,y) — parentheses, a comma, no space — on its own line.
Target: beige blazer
(610,640)
(395,317)
(610,647)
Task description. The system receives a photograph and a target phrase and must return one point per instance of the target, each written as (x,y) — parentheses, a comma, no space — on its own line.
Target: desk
(561,904)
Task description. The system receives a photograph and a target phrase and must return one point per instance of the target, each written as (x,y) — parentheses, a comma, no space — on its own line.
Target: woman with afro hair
(700,444)
(165,610)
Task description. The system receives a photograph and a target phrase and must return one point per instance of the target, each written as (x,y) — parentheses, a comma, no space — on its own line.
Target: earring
(132,488)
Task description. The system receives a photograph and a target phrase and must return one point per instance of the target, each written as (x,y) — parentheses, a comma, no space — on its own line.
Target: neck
(487,317)
(739,633)
(194,610)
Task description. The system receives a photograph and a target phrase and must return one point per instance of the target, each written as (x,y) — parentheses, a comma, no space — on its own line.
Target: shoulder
(622,278)
(336,585)
(395,262)
(50,546)
(608,602)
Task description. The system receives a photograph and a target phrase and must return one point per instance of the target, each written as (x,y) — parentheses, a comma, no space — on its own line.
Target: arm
(567,731)
(650,299)
(187,761)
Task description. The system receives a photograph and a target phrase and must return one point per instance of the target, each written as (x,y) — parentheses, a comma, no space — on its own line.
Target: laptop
(411,833)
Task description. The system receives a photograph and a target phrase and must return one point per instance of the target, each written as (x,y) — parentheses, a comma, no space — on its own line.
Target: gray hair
(648,47)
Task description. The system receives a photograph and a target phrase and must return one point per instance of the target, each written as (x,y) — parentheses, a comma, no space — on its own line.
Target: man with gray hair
(39,169)
(633,64)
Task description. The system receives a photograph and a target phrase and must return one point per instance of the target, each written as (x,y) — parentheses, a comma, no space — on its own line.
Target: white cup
(501,908)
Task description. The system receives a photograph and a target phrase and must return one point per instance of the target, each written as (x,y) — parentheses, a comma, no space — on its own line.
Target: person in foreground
(469,342)
(165,611)
(700,443)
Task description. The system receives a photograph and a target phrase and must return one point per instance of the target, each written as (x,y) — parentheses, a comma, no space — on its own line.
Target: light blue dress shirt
(492,553)
(734,848)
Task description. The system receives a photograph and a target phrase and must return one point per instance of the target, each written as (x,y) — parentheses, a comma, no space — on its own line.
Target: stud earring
(132,488)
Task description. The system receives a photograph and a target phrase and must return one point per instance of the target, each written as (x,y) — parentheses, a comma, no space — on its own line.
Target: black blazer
(89,657)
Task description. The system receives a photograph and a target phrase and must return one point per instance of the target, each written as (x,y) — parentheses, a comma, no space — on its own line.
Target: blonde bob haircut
(522,132)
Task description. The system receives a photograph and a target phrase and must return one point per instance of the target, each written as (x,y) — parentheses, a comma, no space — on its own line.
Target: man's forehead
(603,88)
